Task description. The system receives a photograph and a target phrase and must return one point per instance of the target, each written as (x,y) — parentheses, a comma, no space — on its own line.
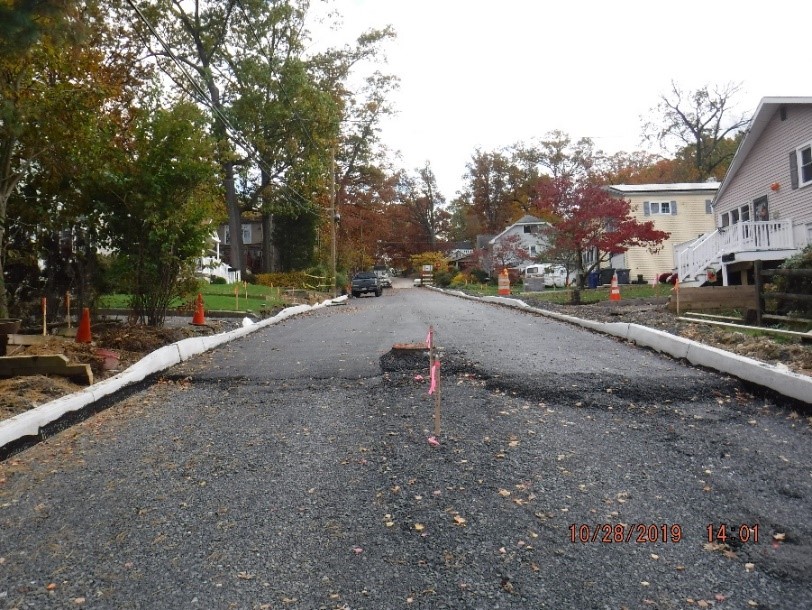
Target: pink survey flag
(435,373)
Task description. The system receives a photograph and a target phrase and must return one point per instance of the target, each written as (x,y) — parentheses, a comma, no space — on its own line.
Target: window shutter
(673,208)
(793,169)
(708,206)
(647,207)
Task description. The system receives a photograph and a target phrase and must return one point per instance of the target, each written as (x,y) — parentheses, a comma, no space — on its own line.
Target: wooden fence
(750,300)
(713,298)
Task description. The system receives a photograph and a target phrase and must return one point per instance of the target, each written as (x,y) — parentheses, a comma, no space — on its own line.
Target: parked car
(366,281)
(417,282)
(385,279)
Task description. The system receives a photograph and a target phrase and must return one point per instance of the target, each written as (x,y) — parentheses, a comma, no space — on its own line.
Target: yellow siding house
(684,210)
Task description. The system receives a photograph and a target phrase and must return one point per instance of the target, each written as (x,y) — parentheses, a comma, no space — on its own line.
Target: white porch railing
(693,258)
(210,265)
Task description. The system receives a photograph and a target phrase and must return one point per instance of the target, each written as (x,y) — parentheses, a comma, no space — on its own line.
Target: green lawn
(216,297)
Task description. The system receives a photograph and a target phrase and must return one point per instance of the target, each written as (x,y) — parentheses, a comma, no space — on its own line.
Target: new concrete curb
(784,382)
(30,423)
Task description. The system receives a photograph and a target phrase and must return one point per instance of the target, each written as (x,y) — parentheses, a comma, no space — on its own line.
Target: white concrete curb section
(775,378)
(32,421)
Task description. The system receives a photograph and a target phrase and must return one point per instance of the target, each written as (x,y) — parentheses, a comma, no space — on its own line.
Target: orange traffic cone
(614,291)
(198,319)
(83,334)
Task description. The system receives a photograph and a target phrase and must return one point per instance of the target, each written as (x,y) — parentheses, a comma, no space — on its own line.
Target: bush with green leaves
(799,284)
(158,197)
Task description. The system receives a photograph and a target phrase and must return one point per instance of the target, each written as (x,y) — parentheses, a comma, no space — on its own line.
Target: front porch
(733,249)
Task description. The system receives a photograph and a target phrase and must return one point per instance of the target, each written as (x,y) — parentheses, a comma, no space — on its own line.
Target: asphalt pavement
(292,468)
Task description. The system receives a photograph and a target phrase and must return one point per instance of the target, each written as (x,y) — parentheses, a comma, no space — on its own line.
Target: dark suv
(366,281)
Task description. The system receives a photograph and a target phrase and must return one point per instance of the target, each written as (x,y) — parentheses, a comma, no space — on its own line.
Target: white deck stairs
(744,241)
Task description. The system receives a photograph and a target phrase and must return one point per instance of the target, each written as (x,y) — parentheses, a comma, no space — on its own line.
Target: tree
(424,205)
(637,168)
(159,198)
(556,155)
(192,49)
(586,219)
(63,101)
(488,192)
(23,22)
(508,252)
(290,122)
(703,124)
(436,259)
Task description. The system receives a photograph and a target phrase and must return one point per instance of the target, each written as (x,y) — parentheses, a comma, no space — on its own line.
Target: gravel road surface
(291,469)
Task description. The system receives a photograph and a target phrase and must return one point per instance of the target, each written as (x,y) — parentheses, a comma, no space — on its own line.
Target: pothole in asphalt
(575,390)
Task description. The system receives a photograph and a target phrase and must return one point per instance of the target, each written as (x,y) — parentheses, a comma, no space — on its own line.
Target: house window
(533,250)
(246,234)
(725,219)
(805,165)
(745,213)
(660,207)
(734,216)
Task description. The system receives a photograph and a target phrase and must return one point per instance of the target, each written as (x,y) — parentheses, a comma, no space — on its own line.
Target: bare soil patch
(129,342)
(772,349)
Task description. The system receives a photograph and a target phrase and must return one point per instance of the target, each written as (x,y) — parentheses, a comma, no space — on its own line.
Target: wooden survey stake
(437,394)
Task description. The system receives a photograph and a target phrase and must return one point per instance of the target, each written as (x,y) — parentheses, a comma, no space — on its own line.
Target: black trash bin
(606,276)
(593,279)
(622,276)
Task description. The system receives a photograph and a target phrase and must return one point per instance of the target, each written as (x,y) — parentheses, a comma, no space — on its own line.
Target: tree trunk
(575,295)
(3,299)
(268,250)
(235,257)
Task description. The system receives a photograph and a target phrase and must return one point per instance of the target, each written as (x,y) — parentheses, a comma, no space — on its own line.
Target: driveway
(292,469)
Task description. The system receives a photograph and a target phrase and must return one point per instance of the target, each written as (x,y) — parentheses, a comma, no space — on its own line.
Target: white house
(210,265)
(763,208)
(518,245)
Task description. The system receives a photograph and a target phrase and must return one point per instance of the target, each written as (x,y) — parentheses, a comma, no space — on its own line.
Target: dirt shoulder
(128,344)
(654,313)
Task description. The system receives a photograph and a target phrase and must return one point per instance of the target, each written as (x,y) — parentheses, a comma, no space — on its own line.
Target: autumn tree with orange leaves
(587,219)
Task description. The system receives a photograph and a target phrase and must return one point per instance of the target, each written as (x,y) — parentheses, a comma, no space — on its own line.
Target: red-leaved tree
(587,220)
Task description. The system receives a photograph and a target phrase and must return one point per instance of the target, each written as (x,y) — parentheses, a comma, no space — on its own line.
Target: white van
(534,271)
(554,275)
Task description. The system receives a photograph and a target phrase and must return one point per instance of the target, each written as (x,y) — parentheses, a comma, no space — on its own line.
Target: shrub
(479,275)
(795,285)
(461,279)
(216,279)
(290,279)
(442,278)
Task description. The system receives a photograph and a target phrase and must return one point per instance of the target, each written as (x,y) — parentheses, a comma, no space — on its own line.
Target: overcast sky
(489,74)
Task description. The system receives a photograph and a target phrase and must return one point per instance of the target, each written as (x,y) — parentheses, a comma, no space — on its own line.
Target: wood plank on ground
(50,364)
(764,329)
(714,297)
